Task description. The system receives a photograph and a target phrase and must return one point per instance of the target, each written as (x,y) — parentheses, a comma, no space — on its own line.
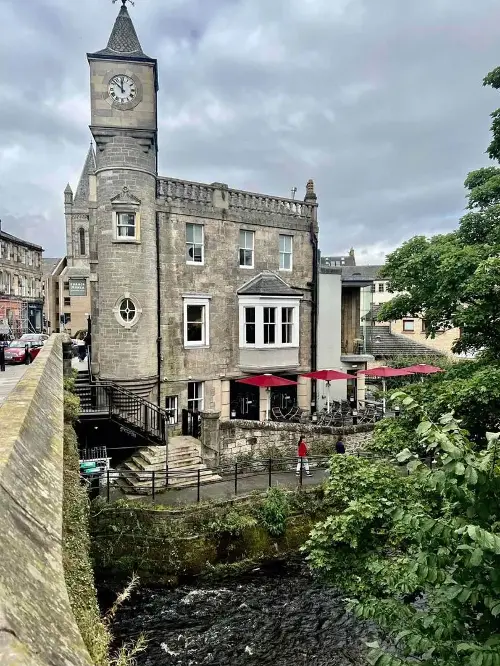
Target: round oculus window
(127,310)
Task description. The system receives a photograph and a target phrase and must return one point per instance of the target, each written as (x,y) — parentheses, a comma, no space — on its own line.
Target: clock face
(122,89)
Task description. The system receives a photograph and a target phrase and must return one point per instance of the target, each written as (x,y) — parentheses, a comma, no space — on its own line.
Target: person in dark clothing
(339,446)
(88,341)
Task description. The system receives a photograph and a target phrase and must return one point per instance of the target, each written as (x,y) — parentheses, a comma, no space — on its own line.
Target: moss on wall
(162,545)
(76,547)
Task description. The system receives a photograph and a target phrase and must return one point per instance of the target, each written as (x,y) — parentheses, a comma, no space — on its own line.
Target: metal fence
(111,483)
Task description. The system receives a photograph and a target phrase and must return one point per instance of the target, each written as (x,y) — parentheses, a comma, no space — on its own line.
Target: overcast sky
(379,101)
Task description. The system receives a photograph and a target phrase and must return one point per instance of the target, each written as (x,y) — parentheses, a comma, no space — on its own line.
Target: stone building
(66,280)
(193,285)
(21,289)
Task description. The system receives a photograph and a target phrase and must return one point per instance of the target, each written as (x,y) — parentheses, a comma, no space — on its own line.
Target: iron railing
(113,483)
(108,399)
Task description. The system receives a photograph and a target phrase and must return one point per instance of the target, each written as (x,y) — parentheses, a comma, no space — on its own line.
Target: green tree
(453,280)
(425,566)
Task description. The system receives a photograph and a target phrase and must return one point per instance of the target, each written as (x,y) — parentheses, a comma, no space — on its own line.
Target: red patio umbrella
(327,376)
(383,372)
(424,369)
(266,381)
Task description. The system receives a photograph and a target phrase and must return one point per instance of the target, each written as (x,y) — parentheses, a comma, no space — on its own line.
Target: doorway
(244,401)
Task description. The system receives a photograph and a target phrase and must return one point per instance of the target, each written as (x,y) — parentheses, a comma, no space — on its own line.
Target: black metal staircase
(106,400)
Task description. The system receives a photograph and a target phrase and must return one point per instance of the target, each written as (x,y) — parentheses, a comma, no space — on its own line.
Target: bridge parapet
(37,626)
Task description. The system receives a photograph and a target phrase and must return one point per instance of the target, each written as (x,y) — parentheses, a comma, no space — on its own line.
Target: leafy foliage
(275,510)
(454,279)
(421,554)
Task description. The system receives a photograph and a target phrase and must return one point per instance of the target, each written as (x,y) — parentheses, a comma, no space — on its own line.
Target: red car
(16,351)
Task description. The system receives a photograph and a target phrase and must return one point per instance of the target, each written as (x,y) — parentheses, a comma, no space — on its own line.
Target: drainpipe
(313,237)
(158,309)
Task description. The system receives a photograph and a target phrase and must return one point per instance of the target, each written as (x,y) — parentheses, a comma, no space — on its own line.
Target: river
(278,615)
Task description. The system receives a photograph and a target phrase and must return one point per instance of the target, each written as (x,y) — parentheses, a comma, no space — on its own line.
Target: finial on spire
(124,2)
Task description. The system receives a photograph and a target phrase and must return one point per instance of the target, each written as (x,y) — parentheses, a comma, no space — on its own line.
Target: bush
(274,511)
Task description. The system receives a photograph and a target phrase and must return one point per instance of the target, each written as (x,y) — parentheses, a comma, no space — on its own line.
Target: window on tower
(82,241)
(126,227)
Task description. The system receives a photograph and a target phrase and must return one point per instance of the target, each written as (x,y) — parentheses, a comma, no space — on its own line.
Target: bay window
(267,322)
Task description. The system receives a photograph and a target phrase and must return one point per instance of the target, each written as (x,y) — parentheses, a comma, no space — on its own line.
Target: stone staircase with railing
(185,467)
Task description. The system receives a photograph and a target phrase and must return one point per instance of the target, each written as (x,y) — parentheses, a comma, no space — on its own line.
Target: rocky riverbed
(279,616)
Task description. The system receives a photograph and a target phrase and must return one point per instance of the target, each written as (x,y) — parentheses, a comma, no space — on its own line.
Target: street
(9,379)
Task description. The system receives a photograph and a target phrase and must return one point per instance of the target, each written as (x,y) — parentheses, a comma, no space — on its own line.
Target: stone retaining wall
(37,627)
(254,438)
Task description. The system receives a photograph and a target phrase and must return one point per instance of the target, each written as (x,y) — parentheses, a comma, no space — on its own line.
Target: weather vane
(124,2)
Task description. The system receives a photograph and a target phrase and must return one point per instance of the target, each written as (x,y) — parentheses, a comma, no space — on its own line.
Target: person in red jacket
(302,455)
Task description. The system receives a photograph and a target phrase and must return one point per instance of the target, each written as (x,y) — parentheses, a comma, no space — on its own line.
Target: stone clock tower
(124,85)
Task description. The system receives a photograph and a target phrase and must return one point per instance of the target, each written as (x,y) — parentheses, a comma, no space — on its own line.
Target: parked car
(37,338)
(16,351)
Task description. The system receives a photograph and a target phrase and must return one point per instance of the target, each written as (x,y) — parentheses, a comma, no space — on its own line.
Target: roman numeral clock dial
(122,89)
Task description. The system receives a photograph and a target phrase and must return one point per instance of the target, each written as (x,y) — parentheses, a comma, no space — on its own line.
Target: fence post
(198,485)
(107,485)
(2,358)
(270,472)
(301,470)
(166,476)
(235,478)
(153,486)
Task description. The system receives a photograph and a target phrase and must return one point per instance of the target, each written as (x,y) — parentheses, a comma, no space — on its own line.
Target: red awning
(383,371)
(266,381)
(328,375)
(423,369)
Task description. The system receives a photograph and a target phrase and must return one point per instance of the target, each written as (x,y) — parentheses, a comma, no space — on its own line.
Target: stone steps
(184,465)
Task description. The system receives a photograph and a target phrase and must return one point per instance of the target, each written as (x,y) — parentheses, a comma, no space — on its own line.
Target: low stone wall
(255,438)
(37,627)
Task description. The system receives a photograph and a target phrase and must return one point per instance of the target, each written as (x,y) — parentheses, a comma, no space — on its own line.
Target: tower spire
(123,41)
(83,190)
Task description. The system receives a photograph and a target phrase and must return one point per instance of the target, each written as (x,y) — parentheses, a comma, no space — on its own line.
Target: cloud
(381,104)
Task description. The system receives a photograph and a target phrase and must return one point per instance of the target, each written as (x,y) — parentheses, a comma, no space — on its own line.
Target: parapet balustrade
(183,190)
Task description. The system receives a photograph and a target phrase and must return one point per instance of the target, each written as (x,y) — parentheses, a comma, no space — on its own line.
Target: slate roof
(268,283)
(49,264)
(82,191)
(372,313)
(381,343)
(360,273)
(123,40)
(19,241)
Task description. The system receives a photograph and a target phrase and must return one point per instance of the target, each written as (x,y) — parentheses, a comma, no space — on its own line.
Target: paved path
(224,489)
(9,379)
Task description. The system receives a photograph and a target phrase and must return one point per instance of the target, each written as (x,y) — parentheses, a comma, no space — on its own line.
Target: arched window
(82,241)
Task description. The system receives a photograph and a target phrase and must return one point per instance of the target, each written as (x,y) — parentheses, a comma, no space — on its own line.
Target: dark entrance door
(284,397)
(352,387)
(244,401)
(191,423)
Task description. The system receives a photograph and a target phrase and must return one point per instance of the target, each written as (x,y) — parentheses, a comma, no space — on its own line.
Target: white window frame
(192,262)
(289,323)
(201,396)
(119,225)
(172,409)
(259,303)
(251,323)
(286,253)
(197,300)
(244,246)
